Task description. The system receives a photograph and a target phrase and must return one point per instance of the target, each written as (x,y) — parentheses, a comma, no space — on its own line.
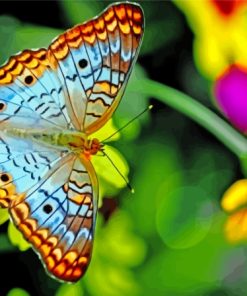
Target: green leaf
(18,36)
(30,36)
(17,292)
(73,290)
(110,180)
(117,250)
(8,26)
(4,215)
(16,238)
(80,11)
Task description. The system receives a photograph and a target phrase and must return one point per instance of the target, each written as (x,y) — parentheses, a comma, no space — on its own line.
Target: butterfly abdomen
(75,141)
(70,140)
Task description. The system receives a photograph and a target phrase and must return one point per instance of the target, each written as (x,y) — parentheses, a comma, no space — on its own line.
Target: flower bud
(230,90)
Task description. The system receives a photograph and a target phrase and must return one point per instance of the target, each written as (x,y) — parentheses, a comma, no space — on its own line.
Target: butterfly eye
(2,106)
(47,209)
(4,178)
(82,63)
(28,79)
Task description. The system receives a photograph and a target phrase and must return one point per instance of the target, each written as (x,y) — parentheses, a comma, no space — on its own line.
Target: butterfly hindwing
(23,163)
(57,216)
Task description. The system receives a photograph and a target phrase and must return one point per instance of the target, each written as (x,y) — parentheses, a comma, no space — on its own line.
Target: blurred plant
(220,33)
(234,202)
(174,216)
(189,223)
(117,249)
(220,54)
(235,231)
(197,112)
(196,215)
(17,292)
(230,91)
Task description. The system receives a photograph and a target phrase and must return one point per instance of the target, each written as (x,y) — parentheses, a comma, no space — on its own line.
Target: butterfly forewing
(31,94)
(95,60)
(74,85)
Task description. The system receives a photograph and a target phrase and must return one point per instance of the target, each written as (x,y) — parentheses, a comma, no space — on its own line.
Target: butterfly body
(74,141)
(51,102)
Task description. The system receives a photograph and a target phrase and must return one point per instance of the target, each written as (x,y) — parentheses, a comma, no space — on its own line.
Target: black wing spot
(4,177)
(47,208)
(83,63)
(28,79)
(2,106)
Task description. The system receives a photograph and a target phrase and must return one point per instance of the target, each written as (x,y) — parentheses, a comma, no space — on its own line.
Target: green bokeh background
(167,238)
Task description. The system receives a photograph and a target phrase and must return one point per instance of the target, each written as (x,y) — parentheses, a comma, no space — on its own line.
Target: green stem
(196,111)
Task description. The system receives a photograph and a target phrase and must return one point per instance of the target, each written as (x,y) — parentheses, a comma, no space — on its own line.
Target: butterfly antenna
(128,123)
(125,180)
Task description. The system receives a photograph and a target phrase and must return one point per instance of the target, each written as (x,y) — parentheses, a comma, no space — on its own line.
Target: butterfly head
(92,147)
(75,141)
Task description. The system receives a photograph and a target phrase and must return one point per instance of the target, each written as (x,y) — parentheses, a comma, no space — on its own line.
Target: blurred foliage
(17,292)
(115,257)
(16,238)
(220,38)
(169,237)
(196,213)
(4,215)
(20,36)
(234,203)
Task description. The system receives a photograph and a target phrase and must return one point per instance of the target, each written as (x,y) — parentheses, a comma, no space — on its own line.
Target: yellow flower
(234,202)
(220,33)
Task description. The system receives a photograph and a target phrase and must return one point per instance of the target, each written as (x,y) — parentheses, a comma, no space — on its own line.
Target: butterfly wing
(77,83)
(31,95)
(52,198)
(23,163)
(95,60)
(58,216)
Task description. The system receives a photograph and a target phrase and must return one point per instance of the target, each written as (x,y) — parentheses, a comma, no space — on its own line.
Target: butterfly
(51,101)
